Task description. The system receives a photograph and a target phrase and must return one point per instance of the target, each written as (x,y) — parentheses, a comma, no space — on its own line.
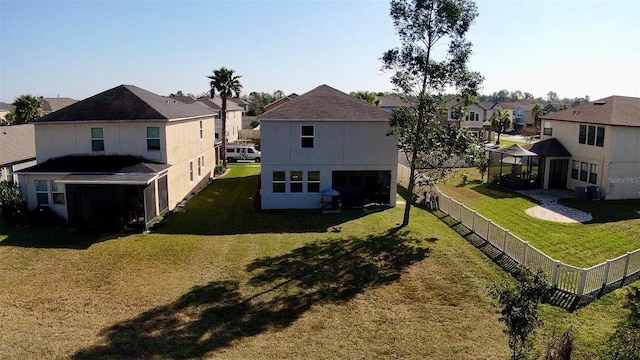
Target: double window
(279,181)
(153,138)
(44,188)
(97,139)
(307,134)
(591,135)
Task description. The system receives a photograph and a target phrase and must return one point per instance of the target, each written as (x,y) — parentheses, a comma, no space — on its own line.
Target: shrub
(518,308)
(219,169)
(254,124)
(11,203)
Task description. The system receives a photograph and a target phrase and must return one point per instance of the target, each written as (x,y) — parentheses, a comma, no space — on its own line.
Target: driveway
(549,209)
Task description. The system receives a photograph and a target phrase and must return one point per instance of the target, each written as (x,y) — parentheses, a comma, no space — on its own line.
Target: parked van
(238,152)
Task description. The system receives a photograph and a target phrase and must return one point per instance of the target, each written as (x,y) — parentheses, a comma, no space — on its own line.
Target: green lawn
(221,281)
(615,228)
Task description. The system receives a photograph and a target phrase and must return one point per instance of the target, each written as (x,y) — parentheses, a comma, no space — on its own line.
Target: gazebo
(514,167)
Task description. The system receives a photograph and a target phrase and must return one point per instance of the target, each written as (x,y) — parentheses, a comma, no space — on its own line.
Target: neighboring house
(327,139)
(244,104)
(550,108)
(476,119)
(281,101)
(17,143)
(121,157)
(50,105)
(390,102)
(603,139)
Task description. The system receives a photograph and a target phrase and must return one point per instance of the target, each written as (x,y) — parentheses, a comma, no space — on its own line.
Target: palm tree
(27,108)
(500,121)
(226,84)
(367,96)
(536,112)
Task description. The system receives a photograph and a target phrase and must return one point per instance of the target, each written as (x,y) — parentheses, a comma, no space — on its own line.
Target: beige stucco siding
(120,138)
(183,146)
(234,124)
(28,189)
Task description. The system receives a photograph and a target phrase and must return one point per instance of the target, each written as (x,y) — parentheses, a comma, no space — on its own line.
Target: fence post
(473,220)
(605,276)
(525,250)
(488,229)
(504,242)
(450,200)
(460,213)
(626,268)
(555,274)
(583,280)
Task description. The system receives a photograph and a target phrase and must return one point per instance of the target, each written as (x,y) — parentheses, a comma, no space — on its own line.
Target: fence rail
(572,279)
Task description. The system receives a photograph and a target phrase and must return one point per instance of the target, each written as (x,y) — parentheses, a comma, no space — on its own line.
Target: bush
(219,169)
(560,348)
(625,342)
(254,124)
(11,203)
(43,215)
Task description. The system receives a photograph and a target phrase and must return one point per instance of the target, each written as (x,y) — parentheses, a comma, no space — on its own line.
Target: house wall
(59,139)
(234,124)
(28,189)
(618,160)
(184,145)
(338,145)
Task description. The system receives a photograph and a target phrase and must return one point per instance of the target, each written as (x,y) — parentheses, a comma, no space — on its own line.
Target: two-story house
(477,118)
(123,156)
(326,139)
(603,138)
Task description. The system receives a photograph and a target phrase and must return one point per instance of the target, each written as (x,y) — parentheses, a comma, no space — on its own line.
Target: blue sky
(80,48)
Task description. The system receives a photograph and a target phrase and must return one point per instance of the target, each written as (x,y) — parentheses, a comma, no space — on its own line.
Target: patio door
(558,170)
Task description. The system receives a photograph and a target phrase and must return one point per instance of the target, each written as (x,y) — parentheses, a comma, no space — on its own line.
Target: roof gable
(326,103)
(125,102)
(613,110)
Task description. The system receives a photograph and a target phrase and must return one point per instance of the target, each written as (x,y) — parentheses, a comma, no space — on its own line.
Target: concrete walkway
(549,209)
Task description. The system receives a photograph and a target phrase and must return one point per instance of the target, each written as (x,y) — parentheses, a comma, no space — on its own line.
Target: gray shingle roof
(125,102)
(548,147)
(326,103)
(54,104)
(17,144)
(613,110)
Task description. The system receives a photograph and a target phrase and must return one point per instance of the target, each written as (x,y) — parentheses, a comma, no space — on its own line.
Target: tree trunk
(412,173)
(223,117)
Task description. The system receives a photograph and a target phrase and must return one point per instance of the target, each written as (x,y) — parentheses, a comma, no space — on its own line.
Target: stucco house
(326,139)
(477,118)
(18,150)
(603,140)
(121,157)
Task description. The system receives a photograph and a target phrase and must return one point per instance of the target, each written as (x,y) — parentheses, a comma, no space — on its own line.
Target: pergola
(514,167)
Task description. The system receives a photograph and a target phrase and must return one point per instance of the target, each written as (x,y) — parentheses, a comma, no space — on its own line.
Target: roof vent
(599,103)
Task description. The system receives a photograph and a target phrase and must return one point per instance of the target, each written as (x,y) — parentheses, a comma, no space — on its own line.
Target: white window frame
(97,139)
(153,138)
(313,182)
(298,181)
(201,130)
(45,191)
(56,190)
(199,167)
(278,182)
(191,171)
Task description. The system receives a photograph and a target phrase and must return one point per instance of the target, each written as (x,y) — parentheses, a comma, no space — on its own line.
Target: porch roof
(516,151)
(548,147)
(99,169)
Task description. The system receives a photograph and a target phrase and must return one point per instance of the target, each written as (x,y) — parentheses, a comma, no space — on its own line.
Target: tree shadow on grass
(38,236)
(284,287)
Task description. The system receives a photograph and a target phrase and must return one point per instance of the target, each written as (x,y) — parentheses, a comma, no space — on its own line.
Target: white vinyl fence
(575,280)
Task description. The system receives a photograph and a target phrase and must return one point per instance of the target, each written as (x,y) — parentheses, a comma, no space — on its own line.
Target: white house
(475,119)
(119,157)
(327,139)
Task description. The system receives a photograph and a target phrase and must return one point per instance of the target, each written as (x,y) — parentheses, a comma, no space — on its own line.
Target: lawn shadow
(226,207)
(49,237)
(282,288)
(498,192)
(606,211)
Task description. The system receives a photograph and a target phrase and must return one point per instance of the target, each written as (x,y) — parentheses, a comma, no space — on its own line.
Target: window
(201,131)
(307,133)
(477,116)
(56,193)
(97,139)
(313,181)
(547,128)
(278,180)
(583,171)
(217,136)
(454,116)
(591,135)
(42,192)
(202,161)
(153,138)
(295,181)
(600,136)
(582,136)
(191,170)
(575,169)
(199,167)
(593,173)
